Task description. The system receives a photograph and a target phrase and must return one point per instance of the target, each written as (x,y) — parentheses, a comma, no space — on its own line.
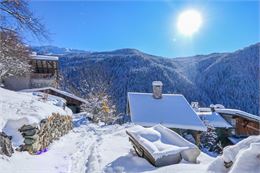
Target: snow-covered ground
(26,107)
(18,108)
(245,157)
(93,149)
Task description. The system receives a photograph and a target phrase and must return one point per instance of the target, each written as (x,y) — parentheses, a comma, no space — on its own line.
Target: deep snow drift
(245,157)
(17,109)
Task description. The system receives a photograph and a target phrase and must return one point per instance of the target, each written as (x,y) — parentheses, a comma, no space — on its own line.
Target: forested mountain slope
(231,79)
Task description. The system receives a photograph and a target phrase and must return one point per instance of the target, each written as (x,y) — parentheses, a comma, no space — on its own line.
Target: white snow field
(93,149)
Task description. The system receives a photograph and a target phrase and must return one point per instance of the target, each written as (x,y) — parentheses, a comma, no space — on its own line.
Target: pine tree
(209,140)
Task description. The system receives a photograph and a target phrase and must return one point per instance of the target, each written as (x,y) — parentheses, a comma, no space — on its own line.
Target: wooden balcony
(42,75)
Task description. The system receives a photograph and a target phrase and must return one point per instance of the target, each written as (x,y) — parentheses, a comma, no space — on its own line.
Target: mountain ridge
(230,79)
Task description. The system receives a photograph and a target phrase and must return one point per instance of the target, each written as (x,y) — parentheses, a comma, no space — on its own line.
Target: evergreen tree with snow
(209,141)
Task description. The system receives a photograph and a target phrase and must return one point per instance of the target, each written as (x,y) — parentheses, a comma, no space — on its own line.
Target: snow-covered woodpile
(5,145)
(37,139)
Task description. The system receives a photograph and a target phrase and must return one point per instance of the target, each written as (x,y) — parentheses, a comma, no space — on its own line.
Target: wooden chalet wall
(245,127)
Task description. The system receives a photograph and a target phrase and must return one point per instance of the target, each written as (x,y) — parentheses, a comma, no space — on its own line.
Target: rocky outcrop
(38,138)
(5,145)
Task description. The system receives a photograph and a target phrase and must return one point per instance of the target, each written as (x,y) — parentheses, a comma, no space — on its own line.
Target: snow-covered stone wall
(38,138)
(5,145)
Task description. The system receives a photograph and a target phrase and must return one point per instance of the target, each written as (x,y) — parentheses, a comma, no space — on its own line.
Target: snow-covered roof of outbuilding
(214,119)
(172,110)
(56,90)
(239,113)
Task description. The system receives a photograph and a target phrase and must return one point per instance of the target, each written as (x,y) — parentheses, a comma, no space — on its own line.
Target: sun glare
(189,22)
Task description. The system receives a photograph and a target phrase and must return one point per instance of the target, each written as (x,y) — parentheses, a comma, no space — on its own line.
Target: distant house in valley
(72,101)
(170,110)
(44,73)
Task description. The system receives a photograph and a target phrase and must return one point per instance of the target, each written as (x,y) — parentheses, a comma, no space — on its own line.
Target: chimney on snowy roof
(157,89)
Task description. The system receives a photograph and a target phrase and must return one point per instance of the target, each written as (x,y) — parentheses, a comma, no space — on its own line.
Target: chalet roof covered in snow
(172,110)
(44,57)
(57,91)
(214,119)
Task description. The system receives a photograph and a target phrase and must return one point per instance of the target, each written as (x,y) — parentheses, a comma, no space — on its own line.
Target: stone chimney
(157,89)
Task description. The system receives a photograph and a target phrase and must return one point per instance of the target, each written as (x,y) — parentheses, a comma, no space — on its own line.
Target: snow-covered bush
(100,107)
(209,140)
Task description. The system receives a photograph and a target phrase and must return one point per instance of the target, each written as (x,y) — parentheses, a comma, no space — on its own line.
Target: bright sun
(189,22)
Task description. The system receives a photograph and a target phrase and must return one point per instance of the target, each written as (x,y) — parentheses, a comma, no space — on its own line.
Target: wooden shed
(244,124)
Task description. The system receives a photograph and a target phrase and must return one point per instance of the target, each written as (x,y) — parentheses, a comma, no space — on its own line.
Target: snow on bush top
(25,107)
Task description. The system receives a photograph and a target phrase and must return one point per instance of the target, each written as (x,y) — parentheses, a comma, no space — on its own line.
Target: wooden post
(197,137)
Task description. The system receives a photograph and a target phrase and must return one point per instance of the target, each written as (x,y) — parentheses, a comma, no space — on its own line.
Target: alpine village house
(44,78)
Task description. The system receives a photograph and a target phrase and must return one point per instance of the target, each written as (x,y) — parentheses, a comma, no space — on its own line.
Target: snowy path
(92,149)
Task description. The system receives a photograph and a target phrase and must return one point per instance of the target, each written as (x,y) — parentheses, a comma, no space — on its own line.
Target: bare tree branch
(16,16)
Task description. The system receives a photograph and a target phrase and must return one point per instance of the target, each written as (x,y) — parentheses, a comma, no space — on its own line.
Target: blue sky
(148,26)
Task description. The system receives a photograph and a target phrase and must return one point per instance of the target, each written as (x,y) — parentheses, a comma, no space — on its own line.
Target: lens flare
(189,22)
